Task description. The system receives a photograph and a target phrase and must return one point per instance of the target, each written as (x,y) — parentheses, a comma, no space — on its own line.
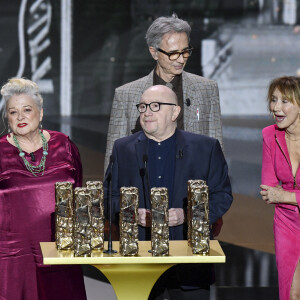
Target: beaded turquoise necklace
(35,170)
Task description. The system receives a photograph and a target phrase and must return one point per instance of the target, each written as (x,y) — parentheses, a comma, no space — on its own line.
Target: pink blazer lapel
(280,139)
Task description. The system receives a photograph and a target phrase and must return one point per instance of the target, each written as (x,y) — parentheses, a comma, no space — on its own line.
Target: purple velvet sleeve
(77,164)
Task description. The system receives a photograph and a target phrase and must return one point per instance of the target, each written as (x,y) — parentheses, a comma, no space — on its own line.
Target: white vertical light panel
(21,40)
(66,59)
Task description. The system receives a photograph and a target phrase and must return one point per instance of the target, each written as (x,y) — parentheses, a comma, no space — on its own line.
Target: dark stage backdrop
(79,51)
(30,45)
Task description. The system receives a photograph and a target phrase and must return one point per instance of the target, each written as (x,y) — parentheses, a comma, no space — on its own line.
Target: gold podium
(132,277)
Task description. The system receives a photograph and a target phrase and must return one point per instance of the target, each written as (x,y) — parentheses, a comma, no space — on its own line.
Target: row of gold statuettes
(79,218)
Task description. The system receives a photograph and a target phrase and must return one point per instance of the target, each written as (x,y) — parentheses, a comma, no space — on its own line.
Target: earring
(41,126)
(8,130)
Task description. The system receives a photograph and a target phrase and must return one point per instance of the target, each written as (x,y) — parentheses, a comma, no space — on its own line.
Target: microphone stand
(142,174)
(109,242)
(145,160)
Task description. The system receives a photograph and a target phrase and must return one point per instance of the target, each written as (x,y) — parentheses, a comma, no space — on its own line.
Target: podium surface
(132,277)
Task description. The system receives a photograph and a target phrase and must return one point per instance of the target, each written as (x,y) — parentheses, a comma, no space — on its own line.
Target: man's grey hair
(163,25)
(17,86)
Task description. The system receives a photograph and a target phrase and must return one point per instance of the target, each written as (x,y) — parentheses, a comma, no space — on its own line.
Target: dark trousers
(183,283)
(180,294)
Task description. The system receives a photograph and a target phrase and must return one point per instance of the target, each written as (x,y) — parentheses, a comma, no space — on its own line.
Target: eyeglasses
(175,55)
(154,106)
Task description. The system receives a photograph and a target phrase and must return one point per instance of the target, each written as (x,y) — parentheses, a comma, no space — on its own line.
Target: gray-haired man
(168,40)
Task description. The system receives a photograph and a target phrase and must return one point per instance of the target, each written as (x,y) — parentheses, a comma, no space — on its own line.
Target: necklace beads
(35,170)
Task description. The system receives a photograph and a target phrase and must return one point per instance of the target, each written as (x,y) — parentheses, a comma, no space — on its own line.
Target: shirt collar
(173,84)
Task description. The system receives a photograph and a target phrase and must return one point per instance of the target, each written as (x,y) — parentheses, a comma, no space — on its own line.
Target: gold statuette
(97,214)
(129,203)
(82,220)
(64,215)
(198,216)
(160,220)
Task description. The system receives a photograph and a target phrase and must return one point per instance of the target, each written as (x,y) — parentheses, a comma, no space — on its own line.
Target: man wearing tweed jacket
(168,41)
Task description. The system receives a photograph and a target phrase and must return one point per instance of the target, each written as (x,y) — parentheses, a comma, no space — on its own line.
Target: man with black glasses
(163,156)
(168,39)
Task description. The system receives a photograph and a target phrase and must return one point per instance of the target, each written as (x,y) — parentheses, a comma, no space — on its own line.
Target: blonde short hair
(17,86)
(288,86)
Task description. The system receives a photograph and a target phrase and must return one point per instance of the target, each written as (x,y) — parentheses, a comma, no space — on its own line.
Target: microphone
(180,154)
(188,102)
(32,156)
(145,160)
(110,168)
(109,242)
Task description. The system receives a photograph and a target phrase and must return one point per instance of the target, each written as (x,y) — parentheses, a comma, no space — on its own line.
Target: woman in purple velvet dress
(32,160)
(281,180)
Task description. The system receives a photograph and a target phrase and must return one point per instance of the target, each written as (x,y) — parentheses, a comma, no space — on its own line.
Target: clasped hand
(176,217)
(272,195)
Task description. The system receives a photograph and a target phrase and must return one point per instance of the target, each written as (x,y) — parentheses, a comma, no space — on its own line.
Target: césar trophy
(97,214)
(198,216)
(82,220)
(129,203)
(64,215)
(160,221)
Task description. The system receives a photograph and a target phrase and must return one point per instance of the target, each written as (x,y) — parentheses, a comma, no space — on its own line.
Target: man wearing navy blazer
(163,156)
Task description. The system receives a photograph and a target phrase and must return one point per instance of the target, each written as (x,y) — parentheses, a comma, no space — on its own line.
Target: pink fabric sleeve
(268,176)
(297,197)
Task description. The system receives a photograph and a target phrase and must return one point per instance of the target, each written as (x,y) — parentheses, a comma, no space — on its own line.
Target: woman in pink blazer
(281,180)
